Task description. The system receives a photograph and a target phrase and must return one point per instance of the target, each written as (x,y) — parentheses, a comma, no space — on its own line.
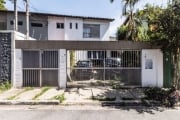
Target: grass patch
(5,86)
(100,98)
(14,96)
(42,92)
(61,98)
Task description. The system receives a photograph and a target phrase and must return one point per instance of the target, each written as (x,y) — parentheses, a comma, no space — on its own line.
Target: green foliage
(155,93)
(133,22)
(72,58)
(170,40)
(2,7)
(14,96)
(61,98)
(5,85)
(41,93)
(168,97)
(121,32)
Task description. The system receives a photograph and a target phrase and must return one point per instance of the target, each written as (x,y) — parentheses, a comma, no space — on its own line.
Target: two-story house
(45,26)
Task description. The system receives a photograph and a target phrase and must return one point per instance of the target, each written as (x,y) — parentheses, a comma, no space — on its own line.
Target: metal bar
(40,71)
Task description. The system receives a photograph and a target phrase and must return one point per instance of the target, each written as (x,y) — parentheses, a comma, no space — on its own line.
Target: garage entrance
(123,66)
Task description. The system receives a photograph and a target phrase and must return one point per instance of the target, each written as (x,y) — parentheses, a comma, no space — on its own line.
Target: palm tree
(2,7)
(133,19)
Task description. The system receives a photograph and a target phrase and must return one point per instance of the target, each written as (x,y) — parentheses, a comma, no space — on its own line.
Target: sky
(93,8)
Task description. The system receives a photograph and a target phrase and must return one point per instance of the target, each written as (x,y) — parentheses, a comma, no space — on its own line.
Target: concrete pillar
(152,68)
(62,76)
(17,69)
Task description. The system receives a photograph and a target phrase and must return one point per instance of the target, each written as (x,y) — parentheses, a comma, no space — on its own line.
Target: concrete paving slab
(71,96)
(9,93)
(28,95)
(85,93)
(50,94)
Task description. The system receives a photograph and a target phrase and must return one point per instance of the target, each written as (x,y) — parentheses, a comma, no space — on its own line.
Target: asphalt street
(87,113)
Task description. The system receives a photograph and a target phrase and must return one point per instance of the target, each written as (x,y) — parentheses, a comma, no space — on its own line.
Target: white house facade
(52,64)
(45,26)
(64,28)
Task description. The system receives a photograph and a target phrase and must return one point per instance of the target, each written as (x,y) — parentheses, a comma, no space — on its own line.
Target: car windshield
(84,64)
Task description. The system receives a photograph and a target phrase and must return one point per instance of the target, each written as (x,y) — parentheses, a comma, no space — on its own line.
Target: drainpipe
(15,16)
(27,19)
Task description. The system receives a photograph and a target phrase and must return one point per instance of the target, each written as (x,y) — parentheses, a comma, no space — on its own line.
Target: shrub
(5,85)
(61,98)
(168,97)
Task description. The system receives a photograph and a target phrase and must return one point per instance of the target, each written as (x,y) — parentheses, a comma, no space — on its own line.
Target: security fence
(40,67)
(121,65)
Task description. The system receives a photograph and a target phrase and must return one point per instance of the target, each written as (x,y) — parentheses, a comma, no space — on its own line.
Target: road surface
(87,113)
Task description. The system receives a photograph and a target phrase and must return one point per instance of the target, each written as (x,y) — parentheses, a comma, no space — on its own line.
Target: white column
(17,76)
(62,76)
(152,68)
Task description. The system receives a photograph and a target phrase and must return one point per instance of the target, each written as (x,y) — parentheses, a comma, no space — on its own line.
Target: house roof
(60,15)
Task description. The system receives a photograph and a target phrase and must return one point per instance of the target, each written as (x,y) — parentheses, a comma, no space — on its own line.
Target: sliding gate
(119,65)
(40,68)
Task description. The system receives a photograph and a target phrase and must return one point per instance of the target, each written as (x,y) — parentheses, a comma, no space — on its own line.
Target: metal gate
(118,65)
(40,68)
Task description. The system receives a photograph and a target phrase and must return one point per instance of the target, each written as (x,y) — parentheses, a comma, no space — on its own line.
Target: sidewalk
(88,95)
(103,96)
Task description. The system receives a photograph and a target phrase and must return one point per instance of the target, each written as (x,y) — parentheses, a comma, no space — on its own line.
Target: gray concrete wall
(40,33)
(85,45)
(5,56)
(21,28)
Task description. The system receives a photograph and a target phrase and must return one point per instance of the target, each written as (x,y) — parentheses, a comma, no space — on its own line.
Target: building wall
(53,32)
(5,56)
(152,68)
(49,31)
(73,34)
(3,20)
(21,28)
(40,33)
(104,29)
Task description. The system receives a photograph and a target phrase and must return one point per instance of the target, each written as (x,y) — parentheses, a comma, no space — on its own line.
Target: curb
(94,103)
(107,103)
(29,102)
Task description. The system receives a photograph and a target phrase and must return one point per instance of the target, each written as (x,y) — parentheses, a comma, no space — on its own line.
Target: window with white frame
(96,54)
(60,25)
(91,30)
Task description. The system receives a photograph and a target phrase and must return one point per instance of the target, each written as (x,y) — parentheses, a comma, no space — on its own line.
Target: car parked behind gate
(83,70)
(107,62)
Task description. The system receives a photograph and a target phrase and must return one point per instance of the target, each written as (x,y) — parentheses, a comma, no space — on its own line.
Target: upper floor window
(2,25)
(91,30)
(36,24)
(76,25)
(70,25)
(19,22)
(60,25)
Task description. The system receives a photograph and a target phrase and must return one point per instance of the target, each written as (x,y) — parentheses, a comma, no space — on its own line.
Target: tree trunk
(176,64)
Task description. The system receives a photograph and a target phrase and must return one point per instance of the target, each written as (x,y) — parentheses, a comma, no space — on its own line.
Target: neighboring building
(44,26)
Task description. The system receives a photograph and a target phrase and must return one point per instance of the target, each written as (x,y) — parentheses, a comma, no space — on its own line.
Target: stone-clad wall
(5,56)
